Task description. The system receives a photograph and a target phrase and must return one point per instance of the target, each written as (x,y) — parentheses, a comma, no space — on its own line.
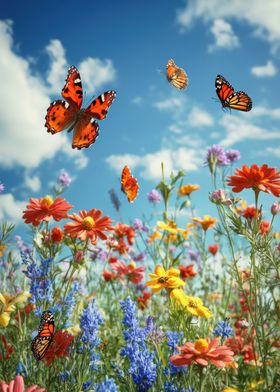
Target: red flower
(213,249)
(88,224)
(28,308)
(264,178)
(202,352)
(187,271)
(264,227)
(123,231)
(108,275)
(248,353)
(59,346)
(7,347)
(44,209)
(133,273)
(57,234)
(250,212)
(143,301)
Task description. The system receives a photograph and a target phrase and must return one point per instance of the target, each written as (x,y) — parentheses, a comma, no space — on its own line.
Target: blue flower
(64,376)
(223,329)
(106,386)
(173,339)
(86,385)
(21,369)
(142,366)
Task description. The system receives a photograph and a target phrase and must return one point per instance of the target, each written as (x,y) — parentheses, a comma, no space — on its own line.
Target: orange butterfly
(42,341)
(129,184)
(230,99)
(68,114)
(176,76)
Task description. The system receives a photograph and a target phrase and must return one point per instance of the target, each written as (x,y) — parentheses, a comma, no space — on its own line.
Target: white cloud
(172,104)
(274,151)
(95,73)
(265,111)
(58,66)
(238,129)
(32,183)
(11,209)
(267,70)
(174,159)
(199,118)
(137,100)
(263,16)
(224,36)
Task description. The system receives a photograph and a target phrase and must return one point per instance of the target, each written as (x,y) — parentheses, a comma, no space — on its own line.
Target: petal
(19,384)
(159,270)
(201,361)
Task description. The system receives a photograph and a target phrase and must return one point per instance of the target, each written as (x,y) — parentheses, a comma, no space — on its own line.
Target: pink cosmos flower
(17,385)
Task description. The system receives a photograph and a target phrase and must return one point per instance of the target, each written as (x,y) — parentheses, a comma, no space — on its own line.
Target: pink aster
(202,352)
(44,209)
(17,385)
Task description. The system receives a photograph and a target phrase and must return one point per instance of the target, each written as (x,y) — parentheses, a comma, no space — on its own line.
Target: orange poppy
(264,178)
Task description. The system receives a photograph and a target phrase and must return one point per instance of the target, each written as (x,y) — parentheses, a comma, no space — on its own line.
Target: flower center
(132,265)
(163,279)
(201,345)
(192,304)
(88,223)
(46,202)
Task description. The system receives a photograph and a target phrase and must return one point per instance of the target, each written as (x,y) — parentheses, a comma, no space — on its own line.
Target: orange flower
(206,223)
(2,249)
(264,227)
(187,271)
(57,234)
(250,212)
(88,224)
(264,178)
(143,301)
(201,352)
(186,190)
(44,209)
(59,346)
(213,249)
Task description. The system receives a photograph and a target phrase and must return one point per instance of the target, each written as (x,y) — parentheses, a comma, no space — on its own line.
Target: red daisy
(59,346)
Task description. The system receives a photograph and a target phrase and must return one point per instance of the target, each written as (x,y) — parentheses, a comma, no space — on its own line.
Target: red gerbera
(59,346)
(264,178)
(44,209)
(88,224)
(187,271)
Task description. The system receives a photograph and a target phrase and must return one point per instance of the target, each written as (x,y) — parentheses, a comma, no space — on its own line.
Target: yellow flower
(74,330)
(232,365)
(214,296)
(186,190)
(206,223)
(276,235)
(171,226)
(253,385)
(153,237)
(165,279)
(7,306)
(193,305)
(229,389)
(2,249)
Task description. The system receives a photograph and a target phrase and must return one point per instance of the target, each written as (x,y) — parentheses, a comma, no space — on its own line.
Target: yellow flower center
(88,223)
(201,345)
(163,279)
(46,202)
(192,304)
(132,265)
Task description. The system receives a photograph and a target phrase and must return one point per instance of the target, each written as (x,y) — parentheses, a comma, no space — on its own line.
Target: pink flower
(17,385)
(201,352)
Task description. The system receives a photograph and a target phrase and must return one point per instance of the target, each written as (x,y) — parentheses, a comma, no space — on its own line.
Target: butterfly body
(176,75)
(42,341)
(129,184)
(229,98)
(68,114)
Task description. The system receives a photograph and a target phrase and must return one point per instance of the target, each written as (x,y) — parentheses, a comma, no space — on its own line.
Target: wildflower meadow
(146,306)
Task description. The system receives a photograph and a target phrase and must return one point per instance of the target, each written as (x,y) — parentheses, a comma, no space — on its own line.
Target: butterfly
(68,114)
(129,184)
(42,341)
(230,99)
(176,76)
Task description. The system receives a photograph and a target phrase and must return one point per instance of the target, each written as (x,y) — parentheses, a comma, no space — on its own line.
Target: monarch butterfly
(230,99)
(42,341)
(129,184)
(176,76)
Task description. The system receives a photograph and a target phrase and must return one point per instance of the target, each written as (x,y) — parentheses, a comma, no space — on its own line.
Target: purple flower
(137,224)
(140,257)
(219,196)
(233,155)
(194,255)
(64,179)
(275,208)
(216,156)
(2,187)
(154,196)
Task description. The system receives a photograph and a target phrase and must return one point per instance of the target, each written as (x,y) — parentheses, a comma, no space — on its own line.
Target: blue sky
(125,46)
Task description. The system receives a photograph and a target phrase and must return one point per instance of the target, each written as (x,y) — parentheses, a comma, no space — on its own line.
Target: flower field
(91,303)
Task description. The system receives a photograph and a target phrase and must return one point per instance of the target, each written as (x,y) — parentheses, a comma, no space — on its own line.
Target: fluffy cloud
(224,36)
(199,118)
(171,104)
(263,16)
(95,73)
(267,70)
(58,66)
(150,164)
(11,209)
(32,183)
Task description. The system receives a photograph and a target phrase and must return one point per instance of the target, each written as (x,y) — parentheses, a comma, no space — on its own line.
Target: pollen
(201,345)
(88,223)
(46,202)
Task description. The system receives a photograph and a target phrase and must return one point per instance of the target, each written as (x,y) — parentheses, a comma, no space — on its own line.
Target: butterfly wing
(176,76)
(73,90)
(100,106)
(86,132)
(240,101)
(129,184)
(60,115)
(44,338)
(223,89)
